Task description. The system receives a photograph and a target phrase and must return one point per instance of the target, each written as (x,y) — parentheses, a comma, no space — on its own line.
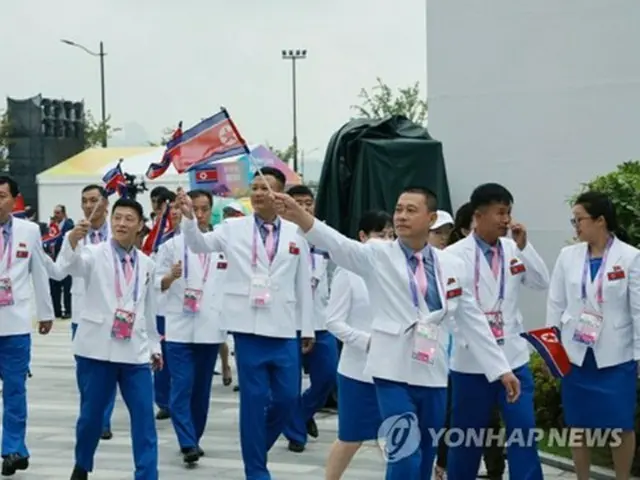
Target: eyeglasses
(575,221)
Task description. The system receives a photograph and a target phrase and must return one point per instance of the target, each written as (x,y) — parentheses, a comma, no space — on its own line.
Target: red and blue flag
(162,231)
(115,181)
(155,170)
(547,343)
(50,238)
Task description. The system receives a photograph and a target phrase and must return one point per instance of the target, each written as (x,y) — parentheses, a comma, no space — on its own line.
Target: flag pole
(236,132)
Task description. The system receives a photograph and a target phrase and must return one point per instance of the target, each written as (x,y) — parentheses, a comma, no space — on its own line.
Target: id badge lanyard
(254,247)
(117,270)
(599,280)
(476,278)
(413,287)
(6,255)
(207,267)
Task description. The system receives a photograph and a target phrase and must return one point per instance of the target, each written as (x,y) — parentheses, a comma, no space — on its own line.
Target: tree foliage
(381,101)
(286,155)
(622,186)
(167,133)
(96,132)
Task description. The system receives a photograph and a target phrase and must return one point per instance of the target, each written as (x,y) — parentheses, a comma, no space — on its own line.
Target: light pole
(294,55)
(100,54)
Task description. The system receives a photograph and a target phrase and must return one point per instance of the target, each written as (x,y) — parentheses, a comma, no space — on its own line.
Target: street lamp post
(100,54)
(294,55)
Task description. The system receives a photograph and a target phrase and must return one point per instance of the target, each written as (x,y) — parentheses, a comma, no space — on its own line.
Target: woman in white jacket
(594,299)
(349,318)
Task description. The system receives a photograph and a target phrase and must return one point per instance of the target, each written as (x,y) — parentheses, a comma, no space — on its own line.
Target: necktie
(269,241)
(420,275)
(95,237)
(128,268)
(495,261)
(1,242)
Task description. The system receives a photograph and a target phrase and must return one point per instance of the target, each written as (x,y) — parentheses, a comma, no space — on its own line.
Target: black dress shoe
(236,388)
(190,456)
(79,474)
(312,428)
(14,462)
(106,435)
(200,452)
(163,414)
(296,447)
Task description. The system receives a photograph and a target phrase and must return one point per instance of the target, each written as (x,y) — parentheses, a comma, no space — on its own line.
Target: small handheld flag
(547,343)
(163,230)
(52,236)
(115,181)
(172,150)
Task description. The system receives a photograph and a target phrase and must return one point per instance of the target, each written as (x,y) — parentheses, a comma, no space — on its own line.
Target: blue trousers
(472,400)
(97,380)
(191,379)
(411,415)
(108,413)
(269,375)
(162,378)
(15,356)
(322,364)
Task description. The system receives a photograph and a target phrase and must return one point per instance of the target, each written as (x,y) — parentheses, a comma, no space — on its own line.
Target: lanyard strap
(7,252)
(207,266)
(254,245)
(117,268)
(413,287)
(599,275)
(476,275)
(312,258)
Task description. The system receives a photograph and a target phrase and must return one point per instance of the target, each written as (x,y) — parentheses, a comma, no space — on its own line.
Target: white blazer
(619,339)
(349,318)
(78,286)
(534,276)
(28,263)
(291,308)
(321,292)
(201,327)
(94,264)
(382,265)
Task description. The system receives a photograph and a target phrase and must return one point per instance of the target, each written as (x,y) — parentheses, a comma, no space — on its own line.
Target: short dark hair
(62,208)
(129,203)
(430,198)
(374,221)
(300,191)
(490,194)
(274,172)
(165,196)
(14,189)
(598,204)
(193,194)
(157,192)
(94,186)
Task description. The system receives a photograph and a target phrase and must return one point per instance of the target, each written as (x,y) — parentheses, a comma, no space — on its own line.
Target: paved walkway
(53,409)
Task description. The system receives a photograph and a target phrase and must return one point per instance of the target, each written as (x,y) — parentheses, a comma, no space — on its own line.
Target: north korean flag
(206,175)
(547,343)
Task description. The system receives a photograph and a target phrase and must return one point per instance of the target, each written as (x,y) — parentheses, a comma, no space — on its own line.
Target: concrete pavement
(53,408)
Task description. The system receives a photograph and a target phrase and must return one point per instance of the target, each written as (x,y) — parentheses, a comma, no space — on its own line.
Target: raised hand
(289,209)
(184,203)
(80,231)
(519,235)
(176,270)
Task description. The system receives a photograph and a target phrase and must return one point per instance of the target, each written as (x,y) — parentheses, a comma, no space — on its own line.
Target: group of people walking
(424,306)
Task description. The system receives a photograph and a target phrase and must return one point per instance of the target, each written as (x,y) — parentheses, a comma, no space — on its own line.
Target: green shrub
(546,396)
(623,188)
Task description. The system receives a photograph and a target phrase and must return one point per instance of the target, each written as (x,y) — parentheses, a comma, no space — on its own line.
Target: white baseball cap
(234,207)
(444,218)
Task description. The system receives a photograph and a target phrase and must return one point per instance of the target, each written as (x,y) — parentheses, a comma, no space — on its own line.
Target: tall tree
(380,101)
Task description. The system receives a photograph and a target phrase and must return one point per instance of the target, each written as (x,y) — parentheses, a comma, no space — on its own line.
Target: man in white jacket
(116,338)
